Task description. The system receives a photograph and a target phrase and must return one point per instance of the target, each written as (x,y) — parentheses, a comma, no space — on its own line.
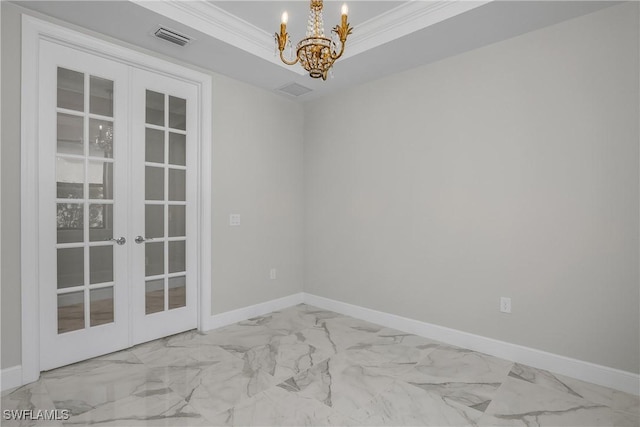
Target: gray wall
(511,170)
(10,181)
(257,172)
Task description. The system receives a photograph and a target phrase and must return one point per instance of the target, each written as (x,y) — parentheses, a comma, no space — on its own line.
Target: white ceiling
(266,14)
(235,38)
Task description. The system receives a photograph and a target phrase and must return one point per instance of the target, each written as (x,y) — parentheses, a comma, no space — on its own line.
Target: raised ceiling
(235,38)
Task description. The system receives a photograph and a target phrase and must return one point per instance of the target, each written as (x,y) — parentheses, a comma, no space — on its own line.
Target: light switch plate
(505,304)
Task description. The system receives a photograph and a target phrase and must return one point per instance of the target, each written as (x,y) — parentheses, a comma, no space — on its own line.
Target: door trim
(33,31)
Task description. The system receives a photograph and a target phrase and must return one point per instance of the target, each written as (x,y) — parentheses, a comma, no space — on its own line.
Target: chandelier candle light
(316,52)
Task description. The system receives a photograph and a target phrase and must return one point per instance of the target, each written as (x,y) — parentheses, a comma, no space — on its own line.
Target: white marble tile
(306,366)
(319,338)
(338,334)
(521,403)
(338,383)
(277,407)
(390,351)
(181,353)
(405,405)
(447,364)
(393,336)
(614,399)
(384,359)
(88,385)
(617,400)
(347,322)
(292,355)
(476,396)
(111,362)
(181,379)
(31,397)
(117,389)
(222,386)
(457,375)
(292,319)
(318,313)
(540,377)
(238,339)
(158,407)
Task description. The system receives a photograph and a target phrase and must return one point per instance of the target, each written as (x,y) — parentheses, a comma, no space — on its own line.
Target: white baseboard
(586,371)
(233,316)
(10,377)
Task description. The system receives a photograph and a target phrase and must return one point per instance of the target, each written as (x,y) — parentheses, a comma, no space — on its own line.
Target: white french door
(165,226)
(117,196)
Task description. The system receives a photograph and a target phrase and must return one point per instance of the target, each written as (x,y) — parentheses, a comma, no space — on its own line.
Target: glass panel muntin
(85,177)
(170,163)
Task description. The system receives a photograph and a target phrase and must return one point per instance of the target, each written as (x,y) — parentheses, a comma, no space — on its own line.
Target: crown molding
(408,17)
(405,19)
(213,21)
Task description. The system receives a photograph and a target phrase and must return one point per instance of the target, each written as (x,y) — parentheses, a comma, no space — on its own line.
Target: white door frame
(33,31)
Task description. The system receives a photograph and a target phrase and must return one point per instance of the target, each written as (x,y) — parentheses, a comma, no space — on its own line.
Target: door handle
(121,241)
(140,239)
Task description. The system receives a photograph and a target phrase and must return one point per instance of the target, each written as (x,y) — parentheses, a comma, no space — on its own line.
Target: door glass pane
(70,312)
(70,89)
(154,221)
(101,180)
(177,185)
(70,222)
(177,149)
(154,258)
(101,309)
(101,93)
(154,145)
(154,296)
(177,292)
(100,138)
(177,221)
(154,183)
(101,264)
(100,222)
(176,256)
(70,267)
(70,134)
(84,173)
(155,108)
(177,113)
(70,178)
(166,183)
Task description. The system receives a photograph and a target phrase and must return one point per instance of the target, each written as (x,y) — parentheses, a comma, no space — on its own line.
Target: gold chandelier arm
(285,60)
(282,43)
(343,31)
(339,54)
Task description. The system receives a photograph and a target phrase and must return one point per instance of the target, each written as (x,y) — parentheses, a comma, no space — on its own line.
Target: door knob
(140,239)
(121,241)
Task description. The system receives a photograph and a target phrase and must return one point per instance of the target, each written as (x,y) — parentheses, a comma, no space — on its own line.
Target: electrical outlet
(505,304)
(234,219)
(273,273)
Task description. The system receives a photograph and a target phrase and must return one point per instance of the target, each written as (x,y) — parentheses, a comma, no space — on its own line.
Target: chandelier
(104,140)
(315,52)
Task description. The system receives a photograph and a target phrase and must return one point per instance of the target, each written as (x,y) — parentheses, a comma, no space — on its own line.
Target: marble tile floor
(306,366)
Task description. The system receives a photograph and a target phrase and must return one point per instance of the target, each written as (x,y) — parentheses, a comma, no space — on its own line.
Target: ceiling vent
(172,36)
(294,89)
